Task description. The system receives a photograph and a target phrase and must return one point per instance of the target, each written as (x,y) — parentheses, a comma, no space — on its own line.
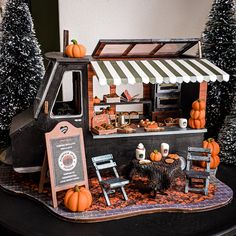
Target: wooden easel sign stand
(65,158)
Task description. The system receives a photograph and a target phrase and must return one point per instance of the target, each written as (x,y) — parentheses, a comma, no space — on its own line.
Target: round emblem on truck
(67,161)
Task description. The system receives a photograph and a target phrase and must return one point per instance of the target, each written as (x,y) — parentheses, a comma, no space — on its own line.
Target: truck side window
(69,96)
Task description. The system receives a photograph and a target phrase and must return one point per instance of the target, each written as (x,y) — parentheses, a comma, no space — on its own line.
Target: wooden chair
(197,154)
(109,185)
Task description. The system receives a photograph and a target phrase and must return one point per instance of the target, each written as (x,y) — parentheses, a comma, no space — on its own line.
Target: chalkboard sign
(66,158)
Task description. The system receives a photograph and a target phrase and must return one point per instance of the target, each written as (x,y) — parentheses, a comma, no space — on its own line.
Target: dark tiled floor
(18,183)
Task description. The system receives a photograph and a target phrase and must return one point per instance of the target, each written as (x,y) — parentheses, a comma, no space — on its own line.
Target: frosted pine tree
(21,64)
(227,136)
(2,7)
(219,46)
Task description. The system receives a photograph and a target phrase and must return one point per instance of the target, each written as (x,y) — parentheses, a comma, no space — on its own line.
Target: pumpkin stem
(155,151)
(74,41)
(76,188)
(209,140)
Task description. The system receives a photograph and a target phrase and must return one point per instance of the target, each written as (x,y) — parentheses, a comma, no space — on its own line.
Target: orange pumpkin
(199,105)
(195,114)
(78,199)
(215,161)
(96,100)
(110,111)
(155,156)
(196,124)
(198,114)
(75,50)
(212,145)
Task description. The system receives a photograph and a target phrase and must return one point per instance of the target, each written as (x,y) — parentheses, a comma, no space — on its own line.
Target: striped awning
(157,71)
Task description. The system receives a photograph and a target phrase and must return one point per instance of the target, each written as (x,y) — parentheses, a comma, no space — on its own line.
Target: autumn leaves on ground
(138,195)
(137,191)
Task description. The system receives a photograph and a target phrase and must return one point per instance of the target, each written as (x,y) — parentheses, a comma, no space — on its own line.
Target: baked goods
(160,124)
(108,110)
(152,125)
(171,121)
(144,123)
(126,129)
(144,162)
(134,113)
(173,156)
(111,98)
(112,95)
(169,160)
(104,126)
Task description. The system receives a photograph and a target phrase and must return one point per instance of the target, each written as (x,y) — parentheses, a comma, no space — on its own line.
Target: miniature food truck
(171,79)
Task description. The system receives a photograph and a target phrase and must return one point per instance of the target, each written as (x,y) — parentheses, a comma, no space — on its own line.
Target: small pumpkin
(155,156)
(214,162)
(211,144)
(173,156)
(199,105)
(75,50)
(196,114)
(110,111)
(78,199)
(96,100)
(196,124)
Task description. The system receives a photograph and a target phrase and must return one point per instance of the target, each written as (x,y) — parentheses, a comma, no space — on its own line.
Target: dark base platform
(19,216)
(9,180)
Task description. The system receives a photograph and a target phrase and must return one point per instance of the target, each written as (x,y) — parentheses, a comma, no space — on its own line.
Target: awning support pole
(200,49)
(203,90)
(65,40)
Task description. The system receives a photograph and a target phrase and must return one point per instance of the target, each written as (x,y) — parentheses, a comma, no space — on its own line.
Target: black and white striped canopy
(157,71)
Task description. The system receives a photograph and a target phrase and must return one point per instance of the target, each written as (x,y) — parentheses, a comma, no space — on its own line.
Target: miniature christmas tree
(227,136)
(2,7)
(219,46)
(21,64)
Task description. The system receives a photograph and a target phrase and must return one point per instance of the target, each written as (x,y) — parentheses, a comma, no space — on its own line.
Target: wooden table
(160,174)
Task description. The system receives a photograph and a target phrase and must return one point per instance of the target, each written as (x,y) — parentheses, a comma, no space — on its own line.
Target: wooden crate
(111,99)
(98,120)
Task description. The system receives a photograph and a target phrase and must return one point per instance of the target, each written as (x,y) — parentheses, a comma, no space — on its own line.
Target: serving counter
(141,133)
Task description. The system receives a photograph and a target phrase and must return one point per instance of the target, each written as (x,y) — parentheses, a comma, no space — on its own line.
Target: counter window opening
(68,104)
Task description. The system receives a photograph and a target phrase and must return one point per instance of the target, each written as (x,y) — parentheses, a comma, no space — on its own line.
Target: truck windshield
(68,101)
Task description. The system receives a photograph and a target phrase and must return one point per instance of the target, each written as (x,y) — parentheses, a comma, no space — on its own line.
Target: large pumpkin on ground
(78,199)
(75,50)
(212,145)
(215,161)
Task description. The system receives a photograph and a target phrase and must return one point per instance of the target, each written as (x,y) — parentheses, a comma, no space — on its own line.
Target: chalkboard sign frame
(66,132)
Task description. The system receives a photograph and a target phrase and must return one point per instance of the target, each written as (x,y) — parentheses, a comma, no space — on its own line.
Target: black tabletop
(23,216)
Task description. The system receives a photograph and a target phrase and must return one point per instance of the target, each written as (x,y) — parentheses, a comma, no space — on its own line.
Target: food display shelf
(139,101)
(141,132)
